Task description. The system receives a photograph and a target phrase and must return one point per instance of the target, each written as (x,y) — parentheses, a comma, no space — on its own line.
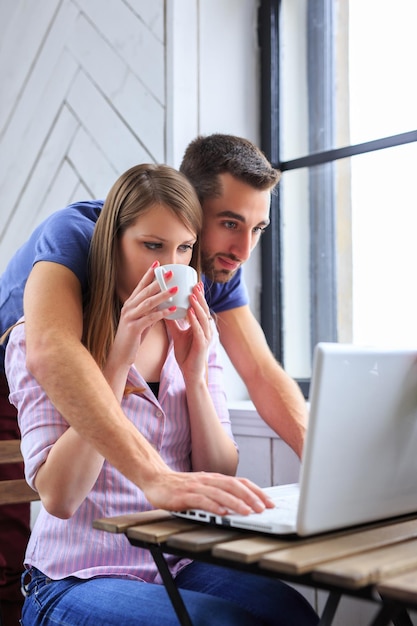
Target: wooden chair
(14,491)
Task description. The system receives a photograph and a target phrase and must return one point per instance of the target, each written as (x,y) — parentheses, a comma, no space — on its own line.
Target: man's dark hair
(207,157)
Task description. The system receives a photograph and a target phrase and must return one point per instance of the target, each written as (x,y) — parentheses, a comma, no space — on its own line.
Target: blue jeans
(212,595)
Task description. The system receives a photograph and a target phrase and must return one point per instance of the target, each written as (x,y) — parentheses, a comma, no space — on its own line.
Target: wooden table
(377,562)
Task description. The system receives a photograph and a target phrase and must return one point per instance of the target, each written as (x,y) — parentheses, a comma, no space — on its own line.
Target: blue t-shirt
(64,238)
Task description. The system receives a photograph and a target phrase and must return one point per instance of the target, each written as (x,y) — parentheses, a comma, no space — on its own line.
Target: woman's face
(157,235)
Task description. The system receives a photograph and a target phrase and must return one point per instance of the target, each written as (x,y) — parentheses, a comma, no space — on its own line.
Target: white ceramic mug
(184,277)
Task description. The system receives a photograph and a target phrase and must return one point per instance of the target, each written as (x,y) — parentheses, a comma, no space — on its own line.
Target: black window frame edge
(272,280)
(271,294)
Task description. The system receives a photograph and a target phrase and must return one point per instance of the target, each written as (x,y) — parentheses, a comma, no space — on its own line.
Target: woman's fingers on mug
(184,277)
(200,300)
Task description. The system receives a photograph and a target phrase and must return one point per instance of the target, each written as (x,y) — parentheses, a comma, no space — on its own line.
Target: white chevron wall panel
(82,99)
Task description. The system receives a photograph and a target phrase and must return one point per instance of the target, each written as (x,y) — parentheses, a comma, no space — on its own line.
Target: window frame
(323,319)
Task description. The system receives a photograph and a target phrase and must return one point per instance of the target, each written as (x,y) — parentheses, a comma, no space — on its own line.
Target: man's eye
(230,225)
(259,230)
(152,246)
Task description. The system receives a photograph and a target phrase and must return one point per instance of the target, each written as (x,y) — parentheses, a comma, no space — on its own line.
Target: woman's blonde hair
(133,194)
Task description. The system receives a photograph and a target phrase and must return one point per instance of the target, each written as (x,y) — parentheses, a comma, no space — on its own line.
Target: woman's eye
(186,247)
(152,246)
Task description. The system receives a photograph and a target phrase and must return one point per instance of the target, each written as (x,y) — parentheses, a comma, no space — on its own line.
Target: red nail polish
(172,308)
(154,264)
(173,290)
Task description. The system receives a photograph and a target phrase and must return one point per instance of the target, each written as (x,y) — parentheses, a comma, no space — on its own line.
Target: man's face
(233,224)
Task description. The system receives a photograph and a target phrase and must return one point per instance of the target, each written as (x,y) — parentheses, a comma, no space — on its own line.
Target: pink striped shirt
(61,548)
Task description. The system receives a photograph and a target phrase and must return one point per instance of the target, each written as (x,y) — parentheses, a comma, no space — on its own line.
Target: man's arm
(66,370)
(78,389)
(276,395)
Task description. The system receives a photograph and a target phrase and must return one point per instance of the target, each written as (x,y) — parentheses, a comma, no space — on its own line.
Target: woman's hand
(139,313)
(191,343)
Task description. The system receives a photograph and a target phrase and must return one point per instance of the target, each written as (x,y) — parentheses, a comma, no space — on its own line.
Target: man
(234,181)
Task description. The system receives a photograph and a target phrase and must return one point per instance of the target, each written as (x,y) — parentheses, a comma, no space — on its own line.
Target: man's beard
(216,276)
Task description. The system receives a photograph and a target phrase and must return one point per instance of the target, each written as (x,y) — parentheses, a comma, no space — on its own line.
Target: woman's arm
(211,447)
(68,474)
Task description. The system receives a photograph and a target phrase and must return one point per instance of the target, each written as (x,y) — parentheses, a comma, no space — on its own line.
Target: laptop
(360,455)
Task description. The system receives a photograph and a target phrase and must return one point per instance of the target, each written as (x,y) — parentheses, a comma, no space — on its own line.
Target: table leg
(403,618)
(170,586)
(392,612)
(330,609)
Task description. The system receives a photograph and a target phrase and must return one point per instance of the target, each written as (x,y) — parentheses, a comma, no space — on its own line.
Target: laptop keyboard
(285,498)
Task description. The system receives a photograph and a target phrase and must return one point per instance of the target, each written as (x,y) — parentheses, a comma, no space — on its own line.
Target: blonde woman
(168,379)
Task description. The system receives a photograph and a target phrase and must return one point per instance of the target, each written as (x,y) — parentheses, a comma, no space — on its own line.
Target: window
(339,118)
